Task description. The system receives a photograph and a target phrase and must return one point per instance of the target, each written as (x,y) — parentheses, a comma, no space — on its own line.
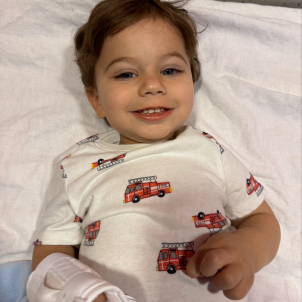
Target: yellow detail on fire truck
(78,219)
(144,187)
(174,256)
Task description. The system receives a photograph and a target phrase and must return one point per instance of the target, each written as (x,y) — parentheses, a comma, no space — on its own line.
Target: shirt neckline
(109,140)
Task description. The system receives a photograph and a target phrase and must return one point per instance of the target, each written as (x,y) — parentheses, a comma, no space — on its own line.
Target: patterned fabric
(141,211)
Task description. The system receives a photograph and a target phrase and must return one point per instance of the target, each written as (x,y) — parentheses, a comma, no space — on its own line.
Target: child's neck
(127,141)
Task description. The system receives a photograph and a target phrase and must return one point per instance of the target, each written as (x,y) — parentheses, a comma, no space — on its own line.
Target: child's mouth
(153,114)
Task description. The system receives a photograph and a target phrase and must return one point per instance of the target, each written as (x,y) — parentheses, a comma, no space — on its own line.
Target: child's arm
(42,251)
(234,258)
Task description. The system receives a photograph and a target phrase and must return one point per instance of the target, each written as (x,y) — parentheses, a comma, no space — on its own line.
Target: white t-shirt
(141,211)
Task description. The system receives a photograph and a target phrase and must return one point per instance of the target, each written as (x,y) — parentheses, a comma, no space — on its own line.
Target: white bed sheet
(248,98)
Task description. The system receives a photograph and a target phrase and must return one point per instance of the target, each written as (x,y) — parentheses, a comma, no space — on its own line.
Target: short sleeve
(244,193)
(59,223)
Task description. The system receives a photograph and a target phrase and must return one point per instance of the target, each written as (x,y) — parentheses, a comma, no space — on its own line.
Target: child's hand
(100,298)
(225,257)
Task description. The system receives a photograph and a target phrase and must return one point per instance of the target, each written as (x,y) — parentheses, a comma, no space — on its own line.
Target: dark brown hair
(109,17)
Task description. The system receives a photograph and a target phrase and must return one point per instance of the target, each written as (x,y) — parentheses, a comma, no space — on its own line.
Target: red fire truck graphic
(252,185)
(212,137)
(144,187)
(103,164)
(37,242)
(78,219)
(64,175)
(214,222)
(91,232)
(89,139)
(174,256)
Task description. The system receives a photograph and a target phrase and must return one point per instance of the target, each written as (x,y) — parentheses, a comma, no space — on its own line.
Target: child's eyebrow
(128,59)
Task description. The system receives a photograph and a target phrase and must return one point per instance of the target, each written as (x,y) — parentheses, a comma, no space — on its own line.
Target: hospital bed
(248,98)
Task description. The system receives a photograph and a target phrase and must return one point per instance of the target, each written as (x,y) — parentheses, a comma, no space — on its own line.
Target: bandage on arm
(61,278)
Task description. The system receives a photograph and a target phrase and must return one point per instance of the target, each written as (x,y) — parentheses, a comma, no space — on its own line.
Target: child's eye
(170,71)
(130,75)
(125,75)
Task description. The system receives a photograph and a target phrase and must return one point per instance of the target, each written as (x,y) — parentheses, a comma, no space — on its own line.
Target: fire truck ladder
(146,178)
(107,165)
(177,245)
(89,139)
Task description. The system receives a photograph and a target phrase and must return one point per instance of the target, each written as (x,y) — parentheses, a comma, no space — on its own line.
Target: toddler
(154,210)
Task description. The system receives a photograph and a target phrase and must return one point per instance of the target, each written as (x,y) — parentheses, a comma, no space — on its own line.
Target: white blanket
(248,98)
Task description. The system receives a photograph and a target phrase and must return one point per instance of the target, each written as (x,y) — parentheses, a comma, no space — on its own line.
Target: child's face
(147,79)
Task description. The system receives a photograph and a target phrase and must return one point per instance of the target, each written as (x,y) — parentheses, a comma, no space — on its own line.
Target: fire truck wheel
(100,161)
(171,269)
(161,194)
(201,215)
(135,199)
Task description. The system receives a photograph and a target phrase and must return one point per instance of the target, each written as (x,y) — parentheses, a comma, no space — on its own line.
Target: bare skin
(100,298)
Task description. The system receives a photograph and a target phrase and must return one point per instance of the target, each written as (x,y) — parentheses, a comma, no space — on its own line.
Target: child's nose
(152,85)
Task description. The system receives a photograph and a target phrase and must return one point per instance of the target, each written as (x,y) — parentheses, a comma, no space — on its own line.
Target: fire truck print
(174,256)
(252,185)
(103,164)
(213,222)
(144,187)
(212,137)
(91,232)
(89,139)
(64,175)
(78,219)
(37,242)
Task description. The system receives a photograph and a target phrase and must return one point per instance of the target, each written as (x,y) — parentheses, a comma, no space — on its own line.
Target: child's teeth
(150,111)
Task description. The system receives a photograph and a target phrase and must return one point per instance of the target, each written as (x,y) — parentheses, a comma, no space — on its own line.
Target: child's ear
(93,98)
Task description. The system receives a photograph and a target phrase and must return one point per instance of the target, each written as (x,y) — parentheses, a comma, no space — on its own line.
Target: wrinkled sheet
(248,98)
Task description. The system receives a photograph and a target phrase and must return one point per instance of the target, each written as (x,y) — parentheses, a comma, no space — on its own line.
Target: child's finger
(229,277)
(214,260)
(193,266)
(241,289)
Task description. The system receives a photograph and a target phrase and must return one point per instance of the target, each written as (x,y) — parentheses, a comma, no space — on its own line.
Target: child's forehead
(144,42)
(144,29)
(151,25)
(154,34)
